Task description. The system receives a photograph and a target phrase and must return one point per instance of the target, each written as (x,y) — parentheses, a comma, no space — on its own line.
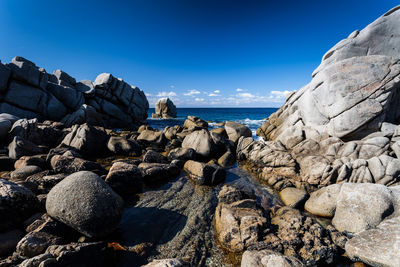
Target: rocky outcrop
(164,109)
(28,91)
(341,126)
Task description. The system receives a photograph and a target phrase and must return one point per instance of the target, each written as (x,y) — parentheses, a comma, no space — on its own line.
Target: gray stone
(323,201)
(201,141)
(164,109)
(4,77)
(167,263)
(236,130)
(85,114)
(25,70)
(64,78)
(5,126)
(35,243)
(24,172)
(69,96)
(9,241)
(193,121)
(20,147)
(87,139)
(86,87)
(121,146)
(152,156)
(227,159)
(293,197)
(124,178)
(182,154)
(86,203)
(268,258)
(158,172)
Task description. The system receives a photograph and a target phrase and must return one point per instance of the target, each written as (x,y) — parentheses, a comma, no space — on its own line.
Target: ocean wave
(251,123)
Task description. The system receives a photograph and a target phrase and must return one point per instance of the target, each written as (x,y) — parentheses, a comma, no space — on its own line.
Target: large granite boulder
(86,203)
(236,130)
(28,91)
(164,109)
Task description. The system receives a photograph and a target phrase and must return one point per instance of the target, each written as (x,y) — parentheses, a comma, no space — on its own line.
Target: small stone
(293,197)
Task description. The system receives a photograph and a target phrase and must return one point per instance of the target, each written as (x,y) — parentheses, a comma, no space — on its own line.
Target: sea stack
(165,109)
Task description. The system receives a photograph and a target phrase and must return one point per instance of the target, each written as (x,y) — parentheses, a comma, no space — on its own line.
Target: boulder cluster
(164,109)
(28,91)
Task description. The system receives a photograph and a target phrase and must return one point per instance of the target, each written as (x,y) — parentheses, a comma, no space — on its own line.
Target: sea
(251,117)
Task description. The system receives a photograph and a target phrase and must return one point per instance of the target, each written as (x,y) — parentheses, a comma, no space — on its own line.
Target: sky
(199,53)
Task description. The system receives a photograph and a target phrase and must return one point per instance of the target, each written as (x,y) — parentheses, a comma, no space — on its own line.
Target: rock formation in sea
(165,109)
(28,91)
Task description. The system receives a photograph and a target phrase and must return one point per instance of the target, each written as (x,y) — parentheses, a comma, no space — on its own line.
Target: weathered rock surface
(120,145)
(323,201)
(193,122)
(124,178)
(17,203)
(293,197)
(157,172)
(164,109)
(28,91)
(268,258)
(201,141)
(236,130)
(167,263)
(86,203)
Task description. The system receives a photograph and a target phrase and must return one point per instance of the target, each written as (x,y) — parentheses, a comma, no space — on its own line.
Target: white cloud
(240,90)
(285,93)
(192,92)
(217,91)
(199,99)
(245,95)
(148,94)
(166,94)
(212,94)
(172,86)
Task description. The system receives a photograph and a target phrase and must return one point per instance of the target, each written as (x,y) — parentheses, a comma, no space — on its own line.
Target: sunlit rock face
(354,89)
(28,91)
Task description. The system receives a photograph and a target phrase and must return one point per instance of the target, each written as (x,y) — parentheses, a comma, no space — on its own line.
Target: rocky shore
(324,188)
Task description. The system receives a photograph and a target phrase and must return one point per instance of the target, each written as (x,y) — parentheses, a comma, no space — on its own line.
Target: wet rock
(152,156)
(35,243)
(182,154)
(124,179)
(68,164)
(164,109)
(20,147)
(202,173)
(17,203)
(293,197)
(227,159)
(268,258)
(9,241)
(236,130)
(122,146)
(24,172)
(167,263)
(99,209)
(87,139)
(193,121)
(157,172)
(323,201)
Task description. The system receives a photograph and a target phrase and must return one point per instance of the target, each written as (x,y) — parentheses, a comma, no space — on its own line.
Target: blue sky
(201,53)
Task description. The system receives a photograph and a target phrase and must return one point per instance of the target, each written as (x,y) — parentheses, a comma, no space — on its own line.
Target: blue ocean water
(252,117)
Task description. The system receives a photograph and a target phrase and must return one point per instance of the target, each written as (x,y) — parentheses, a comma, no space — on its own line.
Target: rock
(5,126)
(205,174)
(333,101)
(268,258)
(361,207)
(86,87)
(4,77)
(164,109)
(193,121)
(17,203)
(9,117)
(37,160)
(378,246)
(70,164)
(182,154)
(85,114)
(121,146)
(239,224)
(9,241)
(70,97)
(157,172)
(21,147)
(152,138)
(236,130)
(323,201)
(220,131)
(302,237)
(87,139)
(64,78)
(227,159)
(35,243)
(293,197)
(152,156)
(99,209)
(171,132)
(388,128)
(25,70)
(124,179)
(24,172)
(201,141)
(167,263)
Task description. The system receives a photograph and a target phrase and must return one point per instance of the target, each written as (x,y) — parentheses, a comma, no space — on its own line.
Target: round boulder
(86,203)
